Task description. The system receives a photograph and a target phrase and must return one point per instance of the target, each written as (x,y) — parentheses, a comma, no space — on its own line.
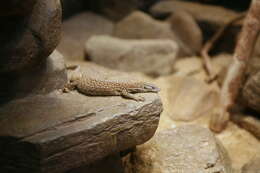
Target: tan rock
(187,149)
(188,66)
(190,98)
(152,57)
(188,31)
(78,29)
(139,25)
(252,167)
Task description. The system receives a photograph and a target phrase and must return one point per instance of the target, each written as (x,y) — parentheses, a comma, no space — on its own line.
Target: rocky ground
(166,53)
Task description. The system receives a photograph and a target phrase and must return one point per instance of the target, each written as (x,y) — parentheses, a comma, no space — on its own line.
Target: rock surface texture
(251,92)
(28,40)
(56,132)
(139,25)
(188,148)
(77,30)
(252,167)
(183,108)
(150,56)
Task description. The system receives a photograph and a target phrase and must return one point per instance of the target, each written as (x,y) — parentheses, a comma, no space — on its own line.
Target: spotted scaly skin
(94,87)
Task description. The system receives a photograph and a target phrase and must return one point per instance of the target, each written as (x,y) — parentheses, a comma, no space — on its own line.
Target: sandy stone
(139,25)
(188,148)
(252,167)
(190,98)
(77,30)
(153,57)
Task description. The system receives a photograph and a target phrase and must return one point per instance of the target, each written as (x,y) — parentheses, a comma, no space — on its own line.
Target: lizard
(97,87)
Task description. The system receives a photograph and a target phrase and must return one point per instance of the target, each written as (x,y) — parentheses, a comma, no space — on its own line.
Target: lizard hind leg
(128,95)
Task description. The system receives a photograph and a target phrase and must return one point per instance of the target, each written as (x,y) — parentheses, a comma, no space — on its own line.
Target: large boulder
(189,149)
(28,40)
(153,57)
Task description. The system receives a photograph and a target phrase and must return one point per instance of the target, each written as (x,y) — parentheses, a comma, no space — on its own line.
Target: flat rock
(26,41)
(139,25)
(190,98)
(151,56)
(188,148)
(77,30)
(57,132)
(252,167)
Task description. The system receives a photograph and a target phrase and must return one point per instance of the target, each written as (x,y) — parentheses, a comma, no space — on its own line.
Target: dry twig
(209,45)
(243,51)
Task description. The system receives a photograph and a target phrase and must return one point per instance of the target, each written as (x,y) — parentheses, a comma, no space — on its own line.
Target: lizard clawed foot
(128,95)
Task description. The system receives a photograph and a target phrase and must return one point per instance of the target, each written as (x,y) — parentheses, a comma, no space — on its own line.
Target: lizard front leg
(128,95)
(69,87)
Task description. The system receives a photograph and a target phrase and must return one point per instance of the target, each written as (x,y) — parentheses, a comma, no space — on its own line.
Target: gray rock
(57,132)
(153,57)
(49,76)
(252,167)
(27,41)
(139,25)
(187,149)
(77,30)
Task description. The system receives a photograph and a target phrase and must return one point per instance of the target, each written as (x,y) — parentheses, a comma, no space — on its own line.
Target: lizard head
(145,87)
(74,76)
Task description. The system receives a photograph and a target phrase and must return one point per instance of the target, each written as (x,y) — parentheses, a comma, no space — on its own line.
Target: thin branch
(210,43)
(233,81)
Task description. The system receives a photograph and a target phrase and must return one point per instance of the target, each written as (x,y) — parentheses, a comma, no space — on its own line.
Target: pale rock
(190,98)
(252,167)
(77,30)
(139,25)
(187,149)
(153,57)
(188,66)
